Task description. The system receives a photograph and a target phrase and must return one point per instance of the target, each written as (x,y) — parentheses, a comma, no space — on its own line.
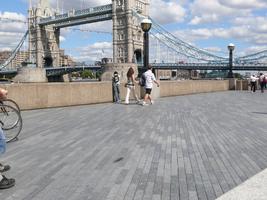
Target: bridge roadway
(186,147)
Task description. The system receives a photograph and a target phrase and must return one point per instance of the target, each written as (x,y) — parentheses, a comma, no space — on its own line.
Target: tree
(87,74)
(98,75)
(237,75)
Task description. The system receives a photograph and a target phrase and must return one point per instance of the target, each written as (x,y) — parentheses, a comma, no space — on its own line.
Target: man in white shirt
(150,78)
(253,82)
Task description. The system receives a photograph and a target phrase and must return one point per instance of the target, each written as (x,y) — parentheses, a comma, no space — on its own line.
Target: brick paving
(181,148)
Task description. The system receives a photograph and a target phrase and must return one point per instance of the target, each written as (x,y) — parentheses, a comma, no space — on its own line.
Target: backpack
(116,79)
(142,81)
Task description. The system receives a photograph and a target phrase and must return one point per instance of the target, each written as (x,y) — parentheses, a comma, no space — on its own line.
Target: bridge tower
(43,40)
(127,34)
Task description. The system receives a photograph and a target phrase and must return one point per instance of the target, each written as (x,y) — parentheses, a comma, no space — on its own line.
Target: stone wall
(174,88)
(45,95)
(242,85)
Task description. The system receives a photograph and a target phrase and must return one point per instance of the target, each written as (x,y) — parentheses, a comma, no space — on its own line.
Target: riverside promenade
(181,148)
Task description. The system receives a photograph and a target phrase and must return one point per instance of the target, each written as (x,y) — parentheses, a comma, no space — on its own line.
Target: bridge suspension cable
(179,45)
(252,57)
(190,50)
(88,30)
(14,52)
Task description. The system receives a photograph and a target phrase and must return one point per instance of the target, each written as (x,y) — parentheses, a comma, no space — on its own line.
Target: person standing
(262,82)
(253,82)
(116,87)
(150,78)
(4,182)
(130,86)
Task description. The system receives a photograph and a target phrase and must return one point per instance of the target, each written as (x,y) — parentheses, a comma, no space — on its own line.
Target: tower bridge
(44,24)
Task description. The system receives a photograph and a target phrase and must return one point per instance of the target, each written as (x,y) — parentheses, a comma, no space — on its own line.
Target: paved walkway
(186,147)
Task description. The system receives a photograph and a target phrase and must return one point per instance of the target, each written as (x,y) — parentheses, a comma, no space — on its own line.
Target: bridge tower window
(139,6)
(120,3)
(121,36)
(120,52)
(120,21)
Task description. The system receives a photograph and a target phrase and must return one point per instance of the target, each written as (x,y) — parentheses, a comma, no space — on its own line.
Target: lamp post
(146,25)
(231,48)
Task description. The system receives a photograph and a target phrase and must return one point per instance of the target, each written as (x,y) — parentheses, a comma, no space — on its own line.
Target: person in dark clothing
(116,87)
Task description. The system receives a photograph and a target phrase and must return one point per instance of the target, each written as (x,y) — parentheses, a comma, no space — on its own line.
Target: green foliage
(98,75)
(237,75)
(87,74)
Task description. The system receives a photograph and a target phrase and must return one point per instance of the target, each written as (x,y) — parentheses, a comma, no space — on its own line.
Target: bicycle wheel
(11,122)
(12,103)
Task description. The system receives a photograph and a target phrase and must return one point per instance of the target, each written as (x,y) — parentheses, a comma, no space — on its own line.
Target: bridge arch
(48,61)
(138,56)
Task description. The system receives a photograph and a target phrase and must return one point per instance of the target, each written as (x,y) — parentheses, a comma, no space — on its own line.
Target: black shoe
(7,183)
(4,168)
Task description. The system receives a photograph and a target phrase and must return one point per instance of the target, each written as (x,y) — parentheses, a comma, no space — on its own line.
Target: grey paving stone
(187,147)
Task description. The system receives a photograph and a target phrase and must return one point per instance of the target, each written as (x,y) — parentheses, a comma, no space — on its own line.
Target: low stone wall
(174,88)
(242,85)
(45,95)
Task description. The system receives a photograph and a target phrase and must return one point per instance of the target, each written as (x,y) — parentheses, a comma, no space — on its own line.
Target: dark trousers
(253,86)
(262,84)
(116,92)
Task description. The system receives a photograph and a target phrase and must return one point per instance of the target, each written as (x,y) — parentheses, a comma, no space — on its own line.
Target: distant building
(23,56)
(65,60)
(4,55)
(176,74)
(106,60)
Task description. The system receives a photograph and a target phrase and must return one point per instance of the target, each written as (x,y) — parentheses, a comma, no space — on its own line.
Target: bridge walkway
(187,147)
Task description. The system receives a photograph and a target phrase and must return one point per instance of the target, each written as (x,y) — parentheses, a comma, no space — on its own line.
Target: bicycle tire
(12,103)
(11,122)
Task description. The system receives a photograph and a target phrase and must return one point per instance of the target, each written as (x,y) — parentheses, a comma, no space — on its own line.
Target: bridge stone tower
(127,34)
(127,37)
(43,40)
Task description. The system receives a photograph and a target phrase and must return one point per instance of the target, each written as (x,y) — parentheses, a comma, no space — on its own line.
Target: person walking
(262,82)
(253,82)
(116,87)
(4,181)
(150,78)
(130,86)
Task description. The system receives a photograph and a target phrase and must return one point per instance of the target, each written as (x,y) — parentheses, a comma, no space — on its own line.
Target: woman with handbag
(130,86)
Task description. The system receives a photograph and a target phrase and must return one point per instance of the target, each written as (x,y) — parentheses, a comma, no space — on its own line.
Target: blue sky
(207,24)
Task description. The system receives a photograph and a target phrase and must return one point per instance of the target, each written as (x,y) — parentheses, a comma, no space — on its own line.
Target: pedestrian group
(261,79)
(147,84)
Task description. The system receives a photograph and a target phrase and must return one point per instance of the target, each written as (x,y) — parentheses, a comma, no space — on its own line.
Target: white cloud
(9,40)
(210,11)
(167,12)
(62,39)
(244,4)
(12,22)
(256,24)
(94,52)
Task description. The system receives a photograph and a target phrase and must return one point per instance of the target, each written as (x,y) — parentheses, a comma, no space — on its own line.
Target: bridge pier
(121,68)
(30,75)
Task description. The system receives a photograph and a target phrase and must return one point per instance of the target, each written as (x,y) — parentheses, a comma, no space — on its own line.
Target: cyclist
(4,182)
